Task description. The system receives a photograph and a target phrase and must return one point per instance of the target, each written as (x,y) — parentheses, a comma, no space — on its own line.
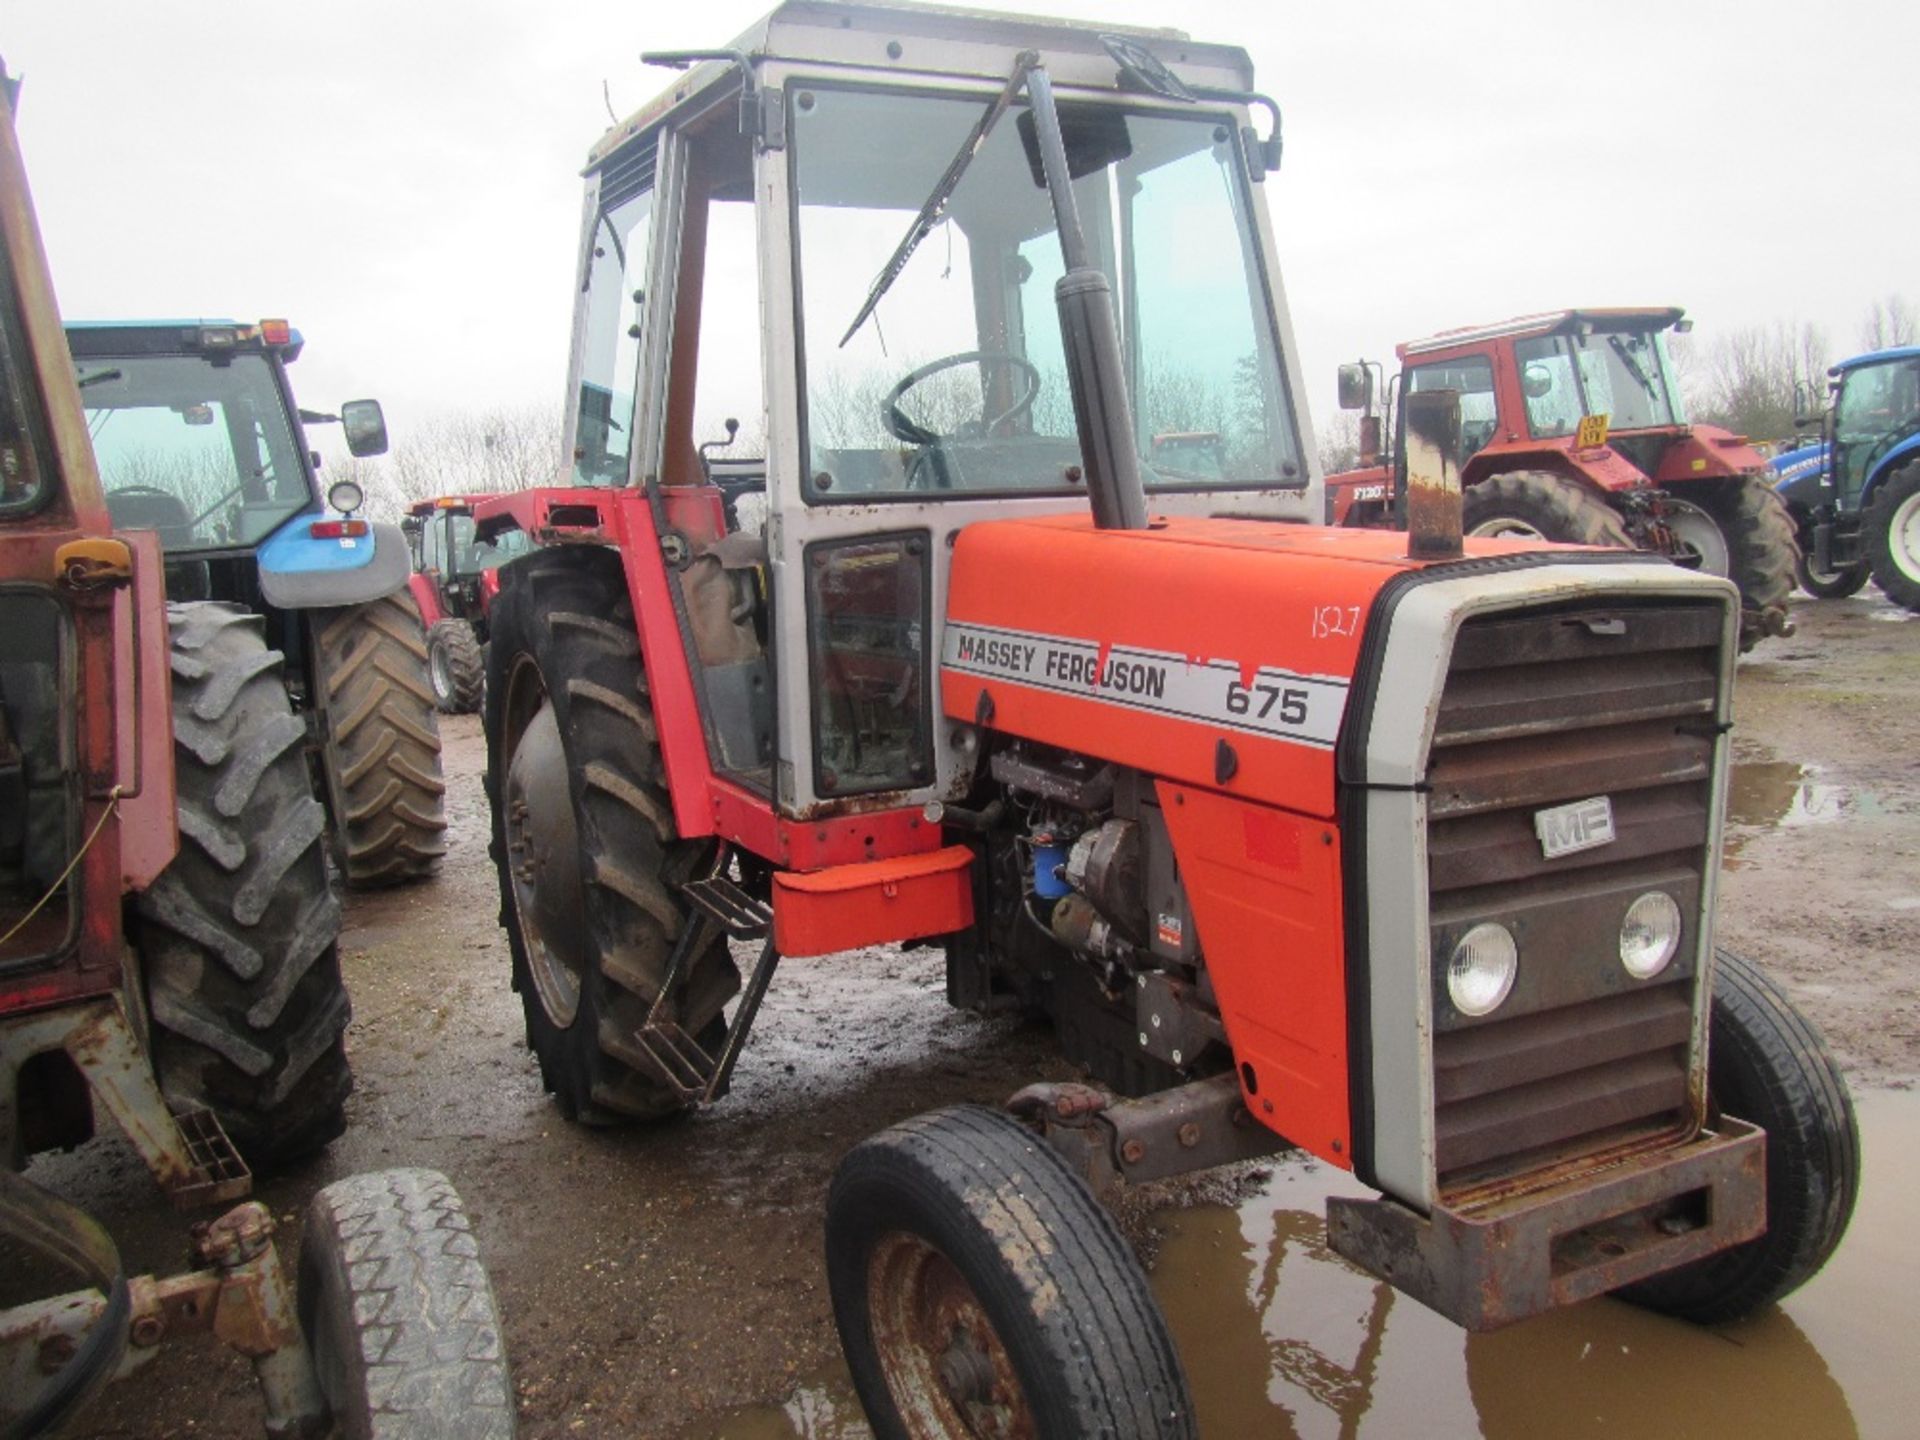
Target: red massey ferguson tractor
(459,543)
(168,961)
(1572,429)
(1405,860)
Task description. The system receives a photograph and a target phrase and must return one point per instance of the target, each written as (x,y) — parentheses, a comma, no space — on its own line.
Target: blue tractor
(198,438)
(1855,493)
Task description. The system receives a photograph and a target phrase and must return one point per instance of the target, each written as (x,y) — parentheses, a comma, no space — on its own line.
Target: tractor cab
(200,441)
(880,321)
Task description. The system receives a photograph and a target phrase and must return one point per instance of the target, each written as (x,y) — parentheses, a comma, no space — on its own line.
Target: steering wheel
(902,428)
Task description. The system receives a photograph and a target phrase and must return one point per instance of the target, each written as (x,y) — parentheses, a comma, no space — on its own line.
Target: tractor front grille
(1539,711)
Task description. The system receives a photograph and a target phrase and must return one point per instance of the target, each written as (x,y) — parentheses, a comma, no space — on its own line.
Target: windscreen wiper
(936,203)
(1633,365)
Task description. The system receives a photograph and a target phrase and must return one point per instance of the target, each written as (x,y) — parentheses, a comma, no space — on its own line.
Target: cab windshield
(470,557)
(1878,406)
(1877,400)
(957,382)
(1626,375)
(199,451)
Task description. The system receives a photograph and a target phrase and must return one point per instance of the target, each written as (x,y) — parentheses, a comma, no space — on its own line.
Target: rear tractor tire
(1767,1065)
(1741,529)
(583,836)
(396,1307)
(981,1291)
(1893,536)
(455,667)
(1537,505)
(237,935)
(380,749)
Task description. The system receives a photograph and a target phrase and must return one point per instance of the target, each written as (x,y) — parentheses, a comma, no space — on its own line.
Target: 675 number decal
(1262,701)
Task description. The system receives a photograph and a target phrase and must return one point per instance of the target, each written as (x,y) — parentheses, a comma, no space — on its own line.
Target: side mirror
(1683,326)
(365,427)
(1356,387)
(1536,381)
(1369,440)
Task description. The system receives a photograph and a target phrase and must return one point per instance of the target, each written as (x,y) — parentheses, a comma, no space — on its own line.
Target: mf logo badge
(1582,825)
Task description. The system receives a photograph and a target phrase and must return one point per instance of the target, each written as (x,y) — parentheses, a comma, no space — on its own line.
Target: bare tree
(1892,321)
(464,453)
(1748,378)
(1339,439)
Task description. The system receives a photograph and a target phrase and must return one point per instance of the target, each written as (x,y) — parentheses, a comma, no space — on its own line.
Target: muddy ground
(667,1282)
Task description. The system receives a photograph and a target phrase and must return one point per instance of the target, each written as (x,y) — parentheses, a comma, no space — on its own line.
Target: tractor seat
(154,510)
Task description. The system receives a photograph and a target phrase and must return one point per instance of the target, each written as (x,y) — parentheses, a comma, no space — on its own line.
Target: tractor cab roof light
(276,332)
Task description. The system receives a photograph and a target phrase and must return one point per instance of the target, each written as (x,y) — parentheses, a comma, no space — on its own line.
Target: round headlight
(346,496)
(1650,934)
(1480,974)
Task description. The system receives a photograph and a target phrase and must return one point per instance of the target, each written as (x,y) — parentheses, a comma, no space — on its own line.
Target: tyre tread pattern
(1559,508)
(1763,547)
(571,616)
(1106,1365)
(1768,1065)
(395,1298)
(454,640)
(380,746)
(237,937)
(1893,580)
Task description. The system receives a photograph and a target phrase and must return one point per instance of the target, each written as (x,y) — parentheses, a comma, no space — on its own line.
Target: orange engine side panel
(1264,885)
(1151,647)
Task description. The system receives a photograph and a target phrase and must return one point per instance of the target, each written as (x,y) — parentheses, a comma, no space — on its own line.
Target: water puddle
(1788,794)
(1283,1339)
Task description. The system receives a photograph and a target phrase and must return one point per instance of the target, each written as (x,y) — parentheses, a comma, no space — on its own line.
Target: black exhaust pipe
(1090,337)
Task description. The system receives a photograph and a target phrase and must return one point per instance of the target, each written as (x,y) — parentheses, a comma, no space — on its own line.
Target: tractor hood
(1206,651)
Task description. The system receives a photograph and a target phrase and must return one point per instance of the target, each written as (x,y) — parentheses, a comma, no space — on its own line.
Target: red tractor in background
(459,543)
(1029,646)
(1573,429)
(168,961)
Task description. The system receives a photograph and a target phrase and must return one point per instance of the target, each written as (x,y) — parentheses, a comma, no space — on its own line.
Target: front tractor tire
(380,744)
(583,837)
(237,936)
(395,1304)
(1829,584)
(1893,536)
(455,667)
(1537,505)
(980,1290)
(1767,1065)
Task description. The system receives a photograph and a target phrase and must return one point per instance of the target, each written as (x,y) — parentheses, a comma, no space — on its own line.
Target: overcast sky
(401,179)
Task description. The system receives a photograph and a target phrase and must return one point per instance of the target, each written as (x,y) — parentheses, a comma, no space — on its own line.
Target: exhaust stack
(1090,336)
(1432,480)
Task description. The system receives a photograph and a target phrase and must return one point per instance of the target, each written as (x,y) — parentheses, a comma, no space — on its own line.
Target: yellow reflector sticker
(1592,432)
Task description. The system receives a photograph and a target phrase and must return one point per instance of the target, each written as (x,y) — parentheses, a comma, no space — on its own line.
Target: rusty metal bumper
(1493,1263)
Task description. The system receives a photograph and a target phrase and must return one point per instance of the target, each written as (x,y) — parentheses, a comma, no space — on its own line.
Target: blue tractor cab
(1855,493)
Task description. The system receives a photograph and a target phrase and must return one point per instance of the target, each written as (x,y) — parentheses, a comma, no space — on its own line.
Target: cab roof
(97,338)
(1550,322)
(877,39)
(1876,357)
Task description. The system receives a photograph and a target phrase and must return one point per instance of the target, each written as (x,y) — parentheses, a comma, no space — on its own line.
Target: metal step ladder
(700,1078)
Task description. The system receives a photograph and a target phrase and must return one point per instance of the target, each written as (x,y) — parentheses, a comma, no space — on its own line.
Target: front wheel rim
(543,862)
(440,670)
(1903,537)
(946,1367)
